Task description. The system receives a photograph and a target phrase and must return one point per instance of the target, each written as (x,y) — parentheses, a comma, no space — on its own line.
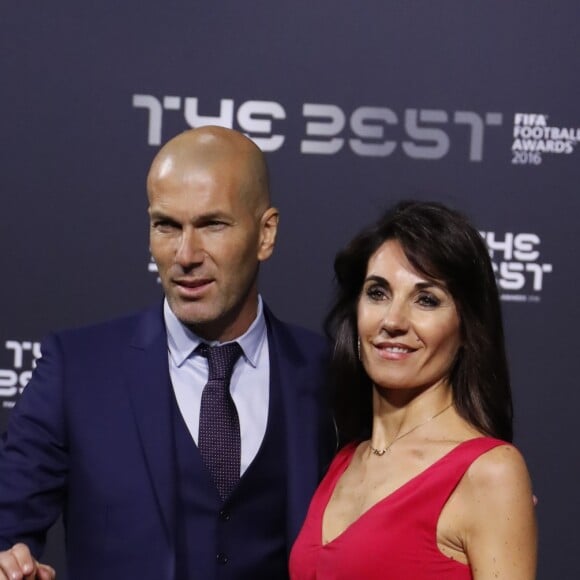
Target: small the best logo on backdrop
(152,267)
(17,361)
(519,270)
(534,137)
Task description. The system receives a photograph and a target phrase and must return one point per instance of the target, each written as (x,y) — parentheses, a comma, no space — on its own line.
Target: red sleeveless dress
(397,537)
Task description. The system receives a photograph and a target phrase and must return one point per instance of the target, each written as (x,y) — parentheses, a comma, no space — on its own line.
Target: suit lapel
(149,385)
(288,368)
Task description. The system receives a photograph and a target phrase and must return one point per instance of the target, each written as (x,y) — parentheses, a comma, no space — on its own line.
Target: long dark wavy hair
(442,245)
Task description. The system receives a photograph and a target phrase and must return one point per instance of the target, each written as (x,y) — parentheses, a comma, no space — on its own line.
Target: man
(109,429)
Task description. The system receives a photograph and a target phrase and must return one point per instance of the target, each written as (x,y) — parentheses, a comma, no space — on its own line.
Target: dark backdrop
(357,105)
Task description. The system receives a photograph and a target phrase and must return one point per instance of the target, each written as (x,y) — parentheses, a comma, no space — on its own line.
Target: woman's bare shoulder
(498,470)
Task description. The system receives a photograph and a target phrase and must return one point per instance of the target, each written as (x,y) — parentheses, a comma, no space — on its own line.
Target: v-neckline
(383,499)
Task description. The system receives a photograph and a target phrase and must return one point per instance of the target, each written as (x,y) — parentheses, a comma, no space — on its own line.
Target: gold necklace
(381,452)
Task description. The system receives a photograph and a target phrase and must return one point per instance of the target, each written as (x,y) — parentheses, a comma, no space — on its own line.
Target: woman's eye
(428,300)
(376,292)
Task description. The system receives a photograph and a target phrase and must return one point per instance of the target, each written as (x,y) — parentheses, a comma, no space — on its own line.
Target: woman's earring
(358,346)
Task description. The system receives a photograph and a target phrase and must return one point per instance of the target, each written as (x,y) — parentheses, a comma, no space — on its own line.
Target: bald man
(108,431)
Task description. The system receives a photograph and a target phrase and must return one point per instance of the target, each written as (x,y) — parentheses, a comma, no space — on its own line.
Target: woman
(426,485)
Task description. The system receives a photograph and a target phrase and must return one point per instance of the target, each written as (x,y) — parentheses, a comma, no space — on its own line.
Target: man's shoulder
(114,329)
(303,333)
(299,339)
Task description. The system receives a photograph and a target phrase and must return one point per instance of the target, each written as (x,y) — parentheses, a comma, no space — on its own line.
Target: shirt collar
(181,341)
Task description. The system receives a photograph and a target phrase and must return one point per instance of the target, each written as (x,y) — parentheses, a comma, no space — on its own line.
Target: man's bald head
(215,148)
(211,227)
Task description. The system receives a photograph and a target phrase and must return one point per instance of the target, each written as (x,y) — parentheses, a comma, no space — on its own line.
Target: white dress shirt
(249,386)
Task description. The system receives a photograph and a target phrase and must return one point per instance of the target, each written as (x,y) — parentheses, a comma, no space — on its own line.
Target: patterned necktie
(219,427)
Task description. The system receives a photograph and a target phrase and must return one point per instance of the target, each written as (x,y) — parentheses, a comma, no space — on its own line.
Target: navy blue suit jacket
(92,437)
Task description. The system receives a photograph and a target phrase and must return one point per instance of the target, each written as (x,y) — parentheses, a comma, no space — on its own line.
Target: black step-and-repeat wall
(357,104)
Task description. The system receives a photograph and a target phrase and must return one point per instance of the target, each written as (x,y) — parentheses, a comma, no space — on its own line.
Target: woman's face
(408,325)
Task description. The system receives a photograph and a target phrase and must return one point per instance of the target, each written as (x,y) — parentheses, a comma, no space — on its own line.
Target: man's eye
(164,225)
(215,225)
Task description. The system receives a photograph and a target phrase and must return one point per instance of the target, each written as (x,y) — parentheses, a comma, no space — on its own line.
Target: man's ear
(268,231)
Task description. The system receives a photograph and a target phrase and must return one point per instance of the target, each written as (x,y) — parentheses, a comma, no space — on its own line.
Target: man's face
(207,239)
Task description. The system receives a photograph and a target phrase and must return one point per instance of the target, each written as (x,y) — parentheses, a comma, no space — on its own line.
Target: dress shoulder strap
(450,469)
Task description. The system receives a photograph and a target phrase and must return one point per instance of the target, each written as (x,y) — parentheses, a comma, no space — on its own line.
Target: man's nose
(189,250)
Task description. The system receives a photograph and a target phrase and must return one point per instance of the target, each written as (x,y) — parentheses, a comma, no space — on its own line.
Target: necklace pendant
(381,452)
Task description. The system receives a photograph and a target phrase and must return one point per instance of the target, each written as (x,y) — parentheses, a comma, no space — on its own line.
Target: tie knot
(221,359)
